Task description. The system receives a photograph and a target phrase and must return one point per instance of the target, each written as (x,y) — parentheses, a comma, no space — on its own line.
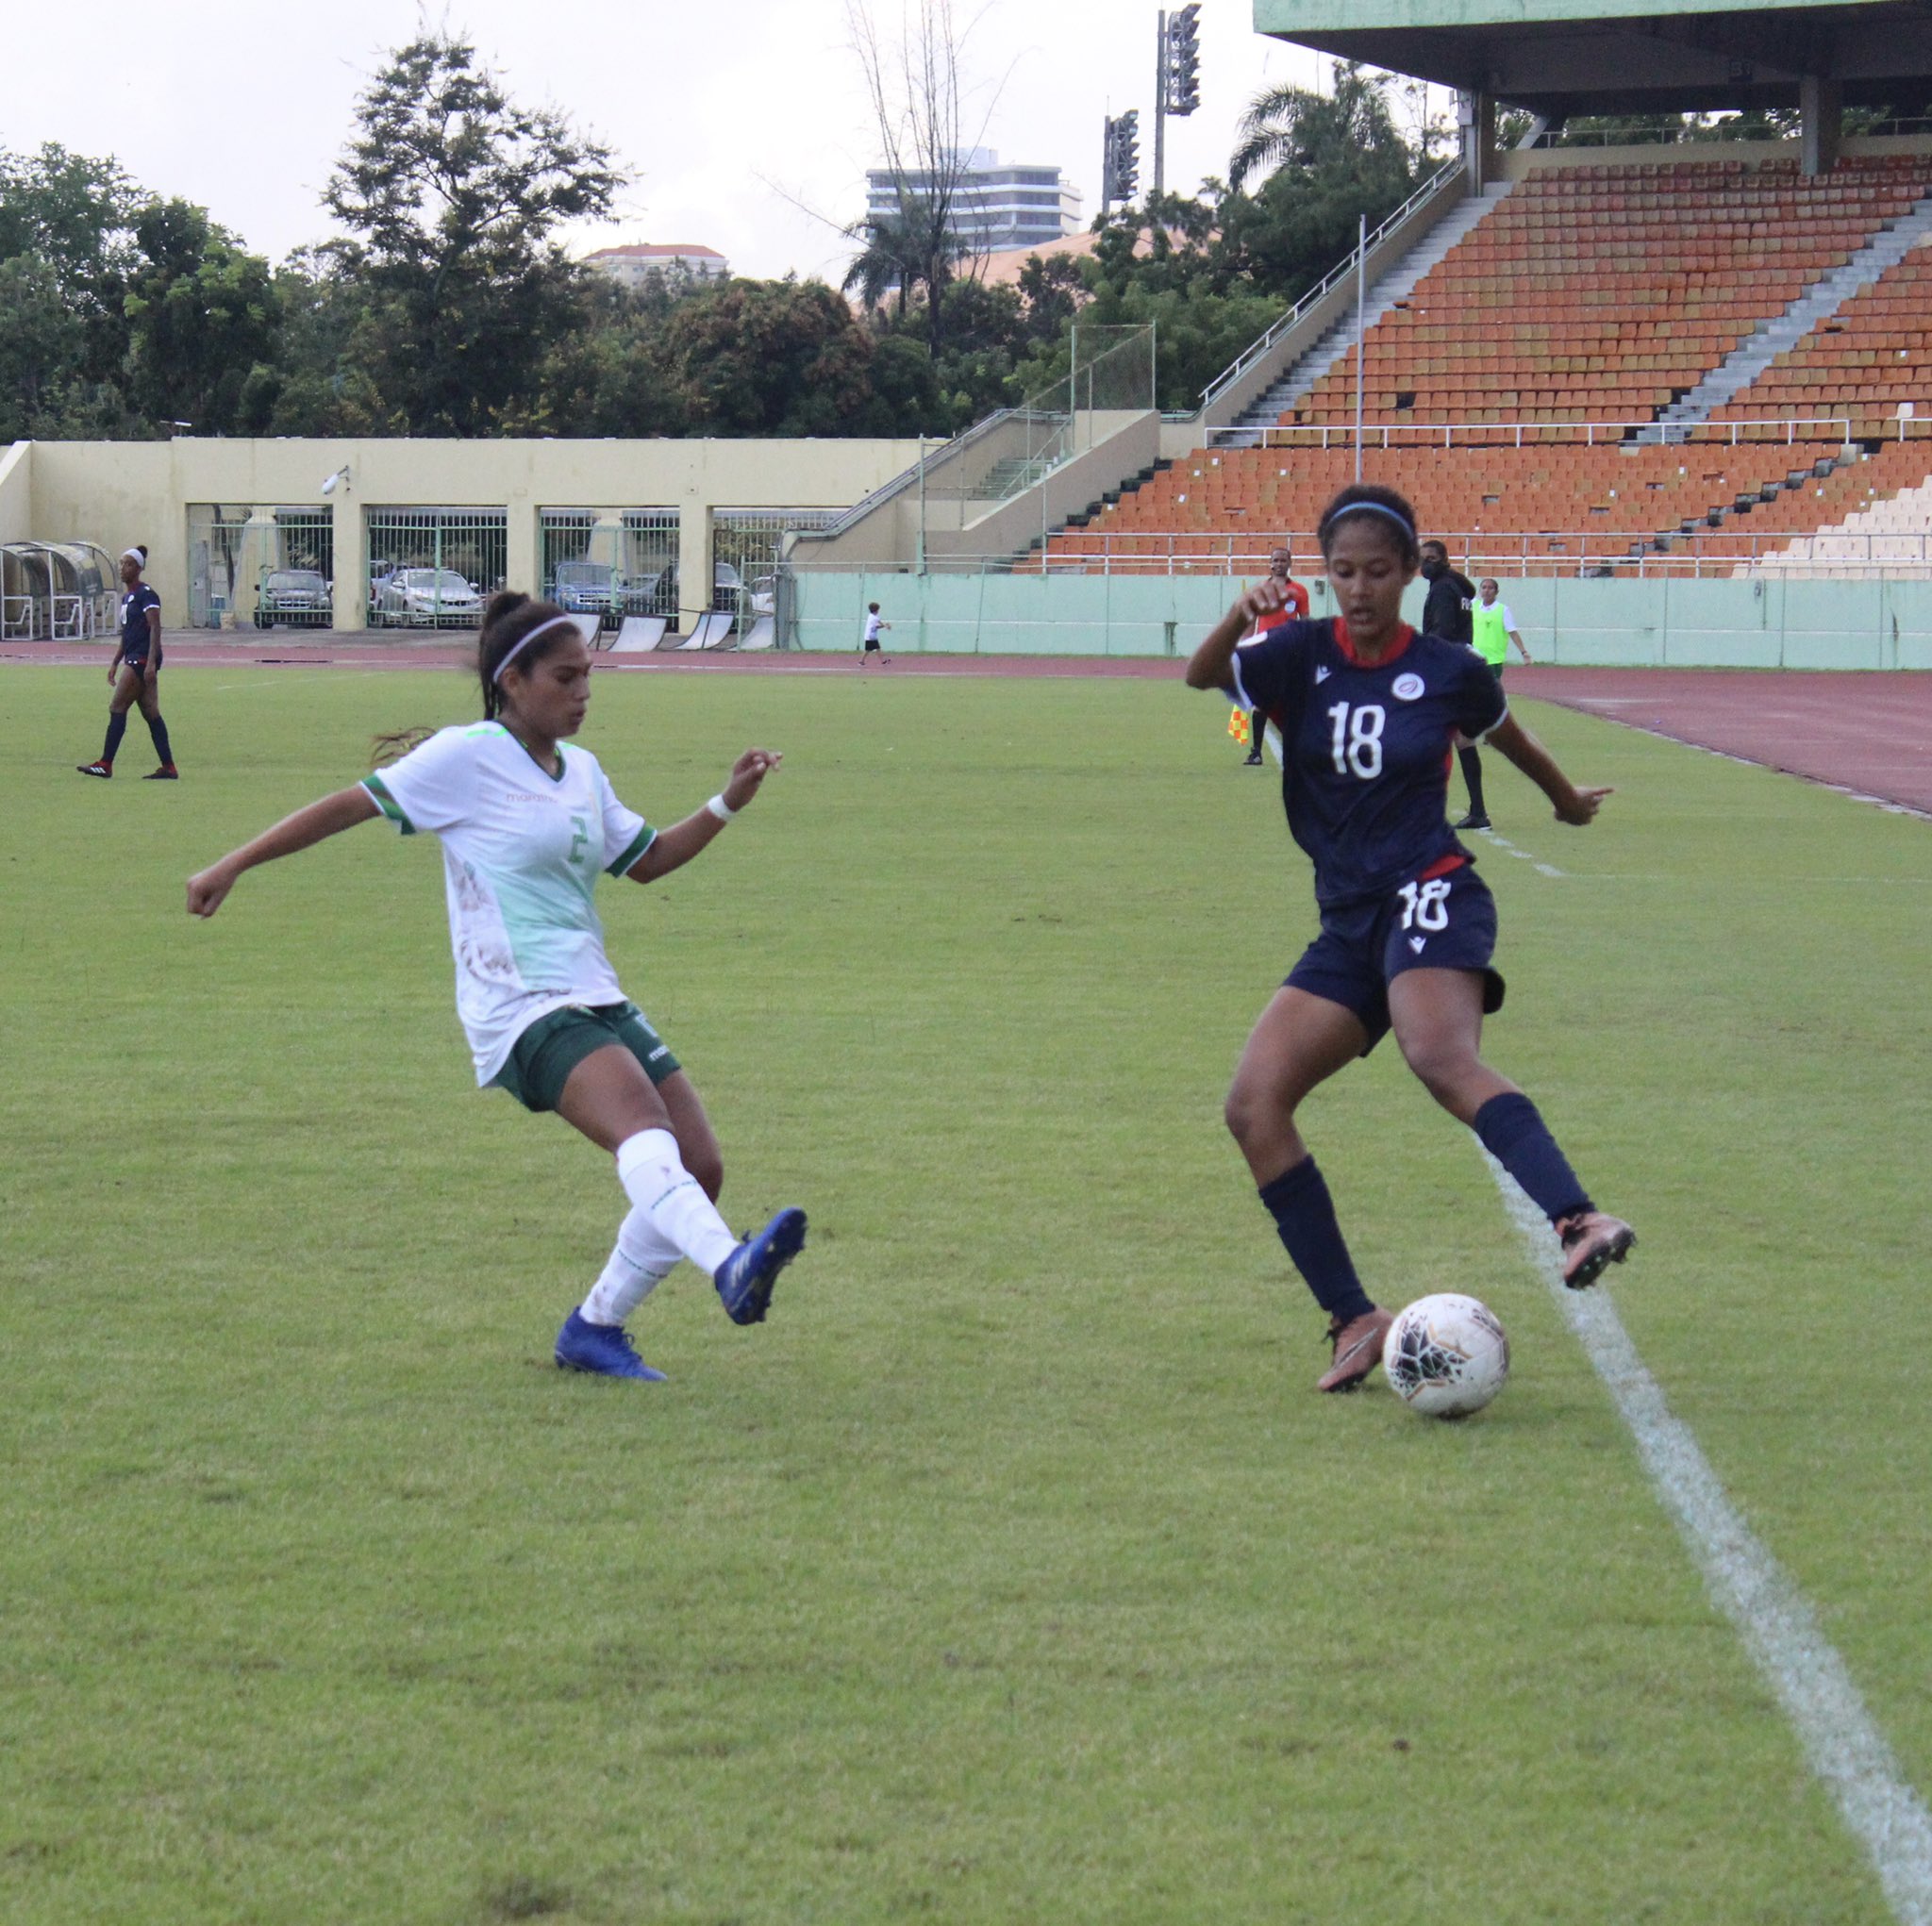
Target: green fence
(1762,622)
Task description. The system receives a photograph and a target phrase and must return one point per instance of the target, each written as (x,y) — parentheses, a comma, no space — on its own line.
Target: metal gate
(434,568)
(295,588)
(610,562)
(745,556)
(228,552)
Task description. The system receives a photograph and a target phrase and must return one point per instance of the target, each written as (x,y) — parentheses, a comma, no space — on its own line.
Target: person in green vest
(1493,628)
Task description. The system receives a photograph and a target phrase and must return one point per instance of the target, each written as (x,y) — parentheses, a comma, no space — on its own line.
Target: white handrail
(1443,434)
(1262,343)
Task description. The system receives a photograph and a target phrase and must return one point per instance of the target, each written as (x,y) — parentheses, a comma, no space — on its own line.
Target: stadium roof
(1610,57)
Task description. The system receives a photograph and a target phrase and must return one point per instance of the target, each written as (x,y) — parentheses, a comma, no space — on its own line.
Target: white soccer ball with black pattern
(1446,1356)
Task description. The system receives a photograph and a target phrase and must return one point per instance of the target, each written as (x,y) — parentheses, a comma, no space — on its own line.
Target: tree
(71,215)
(918,112)
(769,357)
(451,193)
(203,316)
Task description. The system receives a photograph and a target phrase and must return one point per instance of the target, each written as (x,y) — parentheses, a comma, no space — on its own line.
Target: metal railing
(1554,433)
(1517,554)
(1260,346)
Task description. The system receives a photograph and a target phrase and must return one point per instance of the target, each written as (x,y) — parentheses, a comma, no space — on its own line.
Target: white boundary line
(1508,848)
(1842,1746)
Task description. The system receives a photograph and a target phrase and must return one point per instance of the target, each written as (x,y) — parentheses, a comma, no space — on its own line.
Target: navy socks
(117,727)
(1518,1139)
(1303,1213)
(159,730)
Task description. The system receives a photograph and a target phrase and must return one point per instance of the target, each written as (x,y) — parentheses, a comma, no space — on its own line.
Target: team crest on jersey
(1322,672)
(1405,688)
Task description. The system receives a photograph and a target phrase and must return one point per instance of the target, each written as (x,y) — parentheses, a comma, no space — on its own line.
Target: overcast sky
(728,110)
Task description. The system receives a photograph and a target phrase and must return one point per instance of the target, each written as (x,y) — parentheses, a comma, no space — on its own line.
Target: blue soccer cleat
(605,1349)
(746,1278)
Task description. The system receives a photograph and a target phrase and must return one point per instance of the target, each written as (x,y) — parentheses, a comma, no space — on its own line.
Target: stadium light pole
(1160,104)
(1361,339)
(921,501)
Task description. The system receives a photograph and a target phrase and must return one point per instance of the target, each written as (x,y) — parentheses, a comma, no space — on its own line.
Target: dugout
(1565,59)
(59,592)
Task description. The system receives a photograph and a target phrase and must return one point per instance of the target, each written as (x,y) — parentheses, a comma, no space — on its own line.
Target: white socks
(642,1259)
(654,1179)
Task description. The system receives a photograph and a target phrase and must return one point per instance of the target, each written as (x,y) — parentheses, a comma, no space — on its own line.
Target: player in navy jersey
(135,672)
(1369,710)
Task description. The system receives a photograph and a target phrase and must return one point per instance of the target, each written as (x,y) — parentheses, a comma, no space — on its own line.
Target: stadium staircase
(1773,340)
(1381,298)
(1540,382)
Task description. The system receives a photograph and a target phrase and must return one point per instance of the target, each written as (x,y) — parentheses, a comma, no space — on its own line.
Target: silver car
(426,598)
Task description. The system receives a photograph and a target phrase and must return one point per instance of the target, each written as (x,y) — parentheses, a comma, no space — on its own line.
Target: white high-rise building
(993,207)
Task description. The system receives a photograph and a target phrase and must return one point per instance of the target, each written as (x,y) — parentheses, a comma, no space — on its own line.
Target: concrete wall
(120,492)
(1762,624)
(16,492)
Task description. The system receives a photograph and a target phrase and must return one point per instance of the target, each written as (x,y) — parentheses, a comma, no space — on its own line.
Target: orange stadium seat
(1592,294)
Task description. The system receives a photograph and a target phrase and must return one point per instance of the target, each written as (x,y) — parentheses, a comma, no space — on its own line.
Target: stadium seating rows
(1607,293)
(1590,294)
(1869,356)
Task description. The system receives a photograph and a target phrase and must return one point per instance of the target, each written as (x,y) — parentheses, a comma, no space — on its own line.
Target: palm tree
(1293,125)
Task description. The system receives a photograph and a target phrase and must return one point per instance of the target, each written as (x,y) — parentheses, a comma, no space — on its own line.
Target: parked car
(426,598)
(585,588)
(294,598)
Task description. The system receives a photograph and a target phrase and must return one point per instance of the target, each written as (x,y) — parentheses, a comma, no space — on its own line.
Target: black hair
(872,608)
(1383,506)
(511,616)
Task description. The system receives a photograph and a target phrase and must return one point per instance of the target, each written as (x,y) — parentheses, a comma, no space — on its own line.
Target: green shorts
(540,1061)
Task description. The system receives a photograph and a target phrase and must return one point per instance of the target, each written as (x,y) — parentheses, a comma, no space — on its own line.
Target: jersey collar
(1404,636)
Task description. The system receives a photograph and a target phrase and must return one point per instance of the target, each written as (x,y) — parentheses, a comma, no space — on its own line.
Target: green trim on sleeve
(388,803)
(644,839)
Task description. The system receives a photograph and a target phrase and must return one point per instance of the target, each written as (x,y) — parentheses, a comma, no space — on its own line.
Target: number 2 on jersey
(1357,741)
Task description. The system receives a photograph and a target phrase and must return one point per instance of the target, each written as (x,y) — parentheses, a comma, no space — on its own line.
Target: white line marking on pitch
(1508,848)
(1780,1631)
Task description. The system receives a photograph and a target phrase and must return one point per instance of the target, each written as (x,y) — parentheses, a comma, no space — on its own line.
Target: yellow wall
(116,493)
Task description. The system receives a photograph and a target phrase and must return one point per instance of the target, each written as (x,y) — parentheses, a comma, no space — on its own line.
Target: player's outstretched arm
(671,849)
(1574,805)
(1212,666)
(333,814)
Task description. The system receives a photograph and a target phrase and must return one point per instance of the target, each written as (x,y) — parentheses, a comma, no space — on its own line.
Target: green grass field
(1013,1571)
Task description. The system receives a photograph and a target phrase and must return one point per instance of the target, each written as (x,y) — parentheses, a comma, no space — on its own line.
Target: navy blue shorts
(1446,923)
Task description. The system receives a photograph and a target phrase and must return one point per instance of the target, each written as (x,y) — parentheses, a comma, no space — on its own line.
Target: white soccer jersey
(520,853)
(873,625)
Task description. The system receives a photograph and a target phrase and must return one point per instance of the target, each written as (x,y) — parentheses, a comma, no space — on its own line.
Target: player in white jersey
(526,828)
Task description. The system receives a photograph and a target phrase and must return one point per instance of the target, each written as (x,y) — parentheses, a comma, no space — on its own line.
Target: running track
(1869,733)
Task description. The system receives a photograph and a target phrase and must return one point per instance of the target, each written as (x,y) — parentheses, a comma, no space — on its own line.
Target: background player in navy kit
(1367,709)
(1447,611)
(1294,607)
(135,672)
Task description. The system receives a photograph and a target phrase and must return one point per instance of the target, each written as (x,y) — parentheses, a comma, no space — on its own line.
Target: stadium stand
(1519,392)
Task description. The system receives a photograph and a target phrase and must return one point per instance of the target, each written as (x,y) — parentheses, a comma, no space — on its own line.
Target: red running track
(1868,732)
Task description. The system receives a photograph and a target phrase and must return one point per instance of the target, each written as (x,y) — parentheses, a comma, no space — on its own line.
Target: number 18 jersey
(1366,749)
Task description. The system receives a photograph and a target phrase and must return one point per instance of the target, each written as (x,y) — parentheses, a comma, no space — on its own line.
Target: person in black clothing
(135,672)
(1446,614)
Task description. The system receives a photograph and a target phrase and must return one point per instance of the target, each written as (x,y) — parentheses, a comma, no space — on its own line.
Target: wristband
(721,808)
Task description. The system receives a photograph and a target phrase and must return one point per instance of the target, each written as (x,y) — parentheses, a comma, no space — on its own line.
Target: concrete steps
(1821,300)
(1397,284)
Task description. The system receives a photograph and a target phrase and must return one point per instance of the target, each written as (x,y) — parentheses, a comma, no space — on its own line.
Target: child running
(136,674)
(526,827)
(1368,709)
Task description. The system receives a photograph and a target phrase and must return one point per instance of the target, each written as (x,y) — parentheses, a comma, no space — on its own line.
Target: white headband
(134,555)
(555,622)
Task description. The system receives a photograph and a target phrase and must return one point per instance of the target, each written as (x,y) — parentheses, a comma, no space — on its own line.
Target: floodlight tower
(1120,160)
(1177,77)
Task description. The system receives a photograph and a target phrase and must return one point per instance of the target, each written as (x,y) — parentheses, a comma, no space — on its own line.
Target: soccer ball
(1446,1356)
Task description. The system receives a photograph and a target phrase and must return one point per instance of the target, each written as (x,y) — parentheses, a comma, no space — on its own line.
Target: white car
(427,598)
